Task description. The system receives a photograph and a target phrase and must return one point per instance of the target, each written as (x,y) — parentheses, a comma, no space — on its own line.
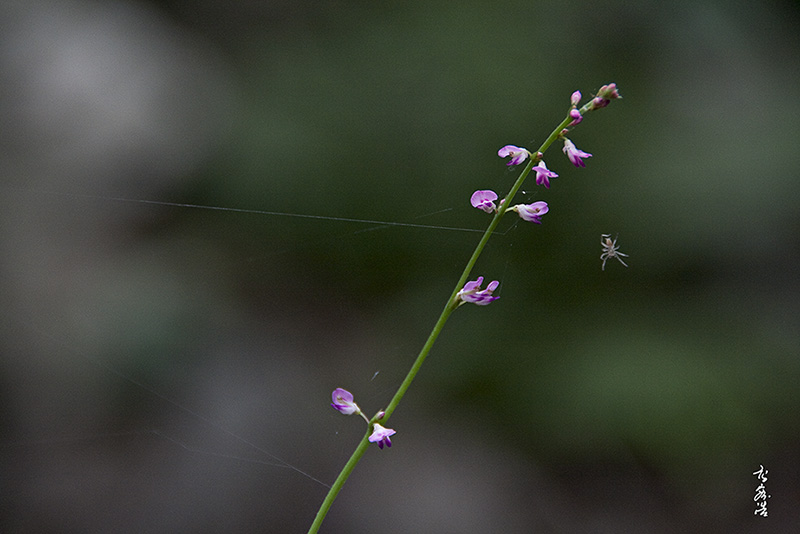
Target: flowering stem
(451,305)
(451,302)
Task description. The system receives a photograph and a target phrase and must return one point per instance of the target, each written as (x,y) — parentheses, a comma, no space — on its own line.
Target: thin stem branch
(449,307)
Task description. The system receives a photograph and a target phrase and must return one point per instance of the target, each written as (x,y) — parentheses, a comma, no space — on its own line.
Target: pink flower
(576,117)
(575,98)
(484,200)
(531,212)
(543,174)
(518,154)
(609,92)
(605,95)
(472,293)
(343,401)
(381,435)
(575,156)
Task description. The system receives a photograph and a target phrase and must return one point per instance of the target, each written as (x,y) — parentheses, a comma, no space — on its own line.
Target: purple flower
(575,156)
(343,401)
(605,95)
(598,103)
(472,292)
(609,92)
(575,98)
(576,117)
(518,154)
(543,174)
(484,200)
(381,435)
(531,212)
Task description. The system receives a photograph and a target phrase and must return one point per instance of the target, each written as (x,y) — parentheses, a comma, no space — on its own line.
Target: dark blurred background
(168,368)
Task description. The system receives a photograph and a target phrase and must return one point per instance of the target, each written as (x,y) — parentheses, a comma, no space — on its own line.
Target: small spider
(610,250)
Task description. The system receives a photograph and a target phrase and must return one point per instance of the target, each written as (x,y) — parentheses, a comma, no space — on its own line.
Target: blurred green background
(168,368)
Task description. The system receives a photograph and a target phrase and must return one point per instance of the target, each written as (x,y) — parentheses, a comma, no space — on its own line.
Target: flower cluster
(484,200)
(343,402)
(604,96)
(574,113)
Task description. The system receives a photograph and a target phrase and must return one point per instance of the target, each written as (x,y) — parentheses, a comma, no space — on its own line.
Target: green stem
(437,328)
(340,480)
